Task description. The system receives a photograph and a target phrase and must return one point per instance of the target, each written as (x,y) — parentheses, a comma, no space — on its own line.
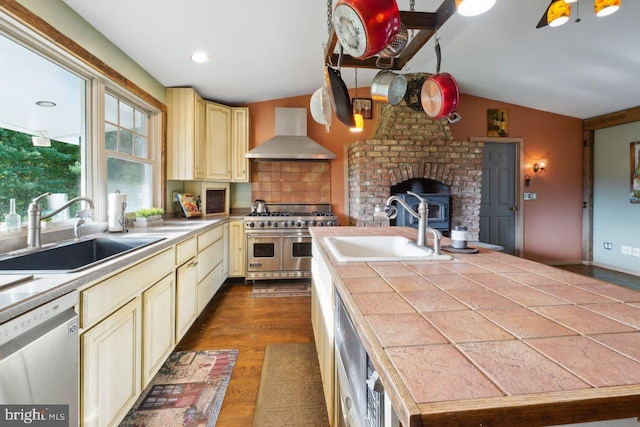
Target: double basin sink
(72,256)
(379,249)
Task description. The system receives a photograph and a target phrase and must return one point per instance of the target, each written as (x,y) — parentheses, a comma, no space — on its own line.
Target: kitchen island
(488,338)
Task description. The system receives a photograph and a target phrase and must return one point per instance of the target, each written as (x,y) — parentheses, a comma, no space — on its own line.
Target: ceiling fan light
(606,7)
(558,13)
(474,7)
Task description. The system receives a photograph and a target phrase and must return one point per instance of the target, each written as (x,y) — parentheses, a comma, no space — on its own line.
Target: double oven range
(279,243)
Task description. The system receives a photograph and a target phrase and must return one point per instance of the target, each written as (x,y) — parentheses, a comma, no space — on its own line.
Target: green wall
(72,25)
(615,219)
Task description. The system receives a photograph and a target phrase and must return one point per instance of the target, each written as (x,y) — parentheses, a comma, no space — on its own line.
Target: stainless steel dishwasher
(39,358)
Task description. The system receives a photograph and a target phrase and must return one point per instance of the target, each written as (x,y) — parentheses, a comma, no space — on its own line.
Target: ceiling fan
(561,10)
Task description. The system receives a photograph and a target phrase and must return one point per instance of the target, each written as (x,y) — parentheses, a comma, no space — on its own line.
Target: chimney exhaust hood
(290,141)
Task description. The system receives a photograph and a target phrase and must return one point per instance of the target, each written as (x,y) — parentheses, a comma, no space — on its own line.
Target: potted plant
(149,215)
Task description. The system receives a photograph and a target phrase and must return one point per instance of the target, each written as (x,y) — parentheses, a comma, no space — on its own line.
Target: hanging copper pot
(440,94)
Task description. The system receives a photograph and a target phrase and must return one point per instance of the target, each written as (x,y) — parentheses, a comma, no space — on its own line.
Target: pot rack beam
(427,24)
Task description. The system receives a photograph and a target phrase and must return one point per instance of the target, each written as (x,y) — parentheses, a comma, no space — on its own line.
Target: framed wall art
(635,172)
(497,122)
(362,106)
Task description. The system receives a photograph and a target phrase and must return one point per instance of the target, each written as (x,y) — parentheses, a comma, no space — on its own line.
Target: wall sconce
(540,167)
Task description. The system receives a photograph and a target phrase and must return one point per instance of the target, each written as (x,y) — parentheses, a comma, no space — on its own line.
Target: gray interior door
(497,208)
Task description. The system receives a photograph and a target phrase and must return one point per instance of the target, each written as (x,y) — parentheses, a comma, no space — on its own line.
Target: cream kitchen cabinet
(111,365)
(186,135)
(239,144)
(119,348)
(237,243)
(186,285)
(210,265)
(227,141)
(158,324)
(322,310)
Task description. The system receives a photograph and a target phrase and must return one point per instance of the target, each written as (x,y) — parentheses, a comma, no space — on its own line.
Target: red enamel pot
(365,27)
(440,96)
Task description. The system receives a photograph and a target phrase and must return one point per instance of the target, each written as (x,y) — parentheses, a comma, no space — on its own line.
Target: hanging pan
(340,98)
(388,87)
(440,95)
(321,106)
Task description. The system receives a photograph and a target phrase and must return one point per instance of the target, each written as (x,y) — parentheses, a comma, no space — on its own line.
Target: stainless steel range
(278,241)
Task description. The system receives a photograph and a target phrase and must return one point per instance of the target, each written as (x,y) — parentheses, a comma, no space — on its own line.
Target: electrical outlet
(635,252)
(625,250)
(530,196)
(607,245)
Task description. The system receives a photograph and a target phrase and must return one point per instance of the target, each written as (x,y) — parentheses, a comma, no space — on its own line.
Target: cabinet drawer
(104,298)
(208,237)
(185,250)
(209,258)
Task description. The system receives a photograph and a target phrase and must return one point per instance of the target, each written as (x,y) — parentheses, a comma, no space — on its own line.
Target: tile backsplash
(291,181)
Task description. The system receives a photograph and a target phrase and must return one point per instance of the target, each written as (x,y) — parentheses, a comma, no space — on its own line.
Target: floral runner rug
(290,392)
(188,390)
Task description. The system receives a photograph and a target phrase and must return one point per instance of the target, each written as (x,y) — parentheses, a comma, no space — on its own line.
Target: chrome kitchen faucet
(35,216)
(390,212)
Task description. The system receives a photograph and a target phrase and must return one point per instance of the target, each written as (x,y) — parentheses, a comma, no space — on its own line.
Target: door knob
(513,208)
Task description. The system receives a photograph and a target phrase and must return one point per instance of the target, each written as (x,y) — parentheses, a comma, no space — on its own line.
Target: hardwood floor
(234,319)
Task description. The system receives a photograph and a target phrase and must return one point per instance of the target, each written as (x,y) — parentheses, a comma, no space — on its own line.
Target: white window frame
(94,172)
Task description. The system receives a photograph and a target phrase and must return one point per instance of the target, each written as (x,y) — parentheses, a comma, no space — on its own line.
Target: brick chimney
(409,144)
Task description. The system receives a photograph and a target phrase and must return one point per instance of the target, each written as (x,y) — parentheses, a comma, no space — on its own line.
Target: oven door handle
(263,236)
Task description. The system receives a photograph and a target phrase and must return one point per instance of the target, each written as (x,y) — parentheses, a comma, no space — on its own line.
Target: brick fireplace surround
(409,144)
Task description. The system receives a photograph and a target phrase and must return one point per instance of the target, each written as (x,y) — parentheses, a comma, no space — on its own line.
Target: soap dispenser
(12,219)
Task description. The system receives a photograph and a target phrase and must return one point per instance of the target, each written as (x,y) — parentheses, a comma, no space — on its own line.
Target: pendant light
(558,13)
(605,7)
(357,117)
(474,7)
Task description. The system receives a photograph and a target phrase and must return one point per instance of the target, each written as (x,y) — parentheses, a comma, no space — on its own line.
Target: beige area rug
(290,392)
(288,288)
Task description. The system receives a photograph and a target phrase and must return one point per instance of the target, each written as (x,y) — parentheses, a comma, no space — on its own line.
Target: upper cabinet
(205,140)
(227,142)
(239,144)
(185,134)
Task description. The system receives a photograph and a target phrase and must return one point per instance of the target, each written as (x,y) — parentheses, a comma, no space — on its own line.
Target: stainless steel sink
(69,257)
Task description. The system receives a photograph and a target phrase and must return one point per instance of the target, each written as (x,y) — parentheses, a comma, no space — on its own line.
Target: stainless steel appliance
(361,394)
(39,357)
(278,241)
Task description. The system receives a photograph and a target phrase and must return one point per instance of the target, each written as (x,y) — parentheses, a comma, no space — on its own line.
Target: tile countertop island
(491,339)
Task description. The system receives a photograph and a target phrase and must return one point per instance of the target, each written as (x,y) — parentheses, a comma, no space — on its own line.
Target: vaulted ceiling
(265,50)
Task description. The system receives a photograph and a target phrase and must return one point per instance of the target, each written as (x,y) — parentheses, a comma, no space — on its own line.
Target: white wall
(615,219)
(72,25)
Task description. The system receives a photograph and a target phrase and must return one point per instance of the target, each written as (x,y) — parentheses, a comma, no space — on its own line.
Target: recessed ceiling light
(200,57)
(46,103)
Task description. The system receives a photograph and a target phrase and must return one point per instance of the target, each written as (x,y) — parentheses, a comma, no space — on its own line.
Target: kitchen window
(104,138)
(129,154)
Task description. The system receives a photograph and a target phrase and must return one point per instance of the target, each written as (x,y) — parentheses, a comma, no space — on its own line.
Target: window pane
(131,178)
(126,116)
(126,142)
(141,146)
(141,123)
(110,108)
(110,137)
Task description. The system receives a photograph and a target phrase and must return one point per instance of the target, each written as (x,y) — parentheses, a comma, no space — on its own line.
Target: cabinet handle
(193,264)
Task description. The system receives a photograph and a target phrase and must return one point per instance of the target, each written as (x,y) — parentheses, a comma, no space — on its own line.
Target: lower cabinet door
(111,359)
(158,305)
(186,297)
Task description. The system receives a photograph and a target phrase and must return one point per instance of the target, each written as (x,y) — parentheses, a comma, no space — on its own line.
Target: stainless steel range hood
(290,141)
